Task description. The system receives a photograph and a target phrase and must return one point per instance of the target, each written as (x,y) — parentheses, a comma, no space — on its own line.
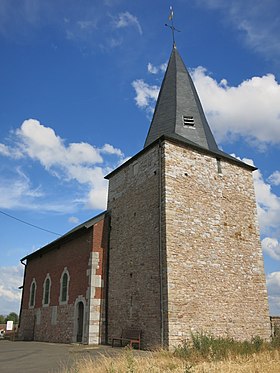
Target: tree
(2,319)
(12,317)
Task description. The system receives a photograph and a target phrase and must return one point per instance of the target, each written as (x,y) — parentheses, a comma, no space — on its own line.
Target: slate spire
(178,111)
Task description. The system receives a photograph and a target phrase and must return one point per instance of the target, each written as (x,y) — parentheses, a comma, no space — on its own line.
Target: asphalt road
(41,357)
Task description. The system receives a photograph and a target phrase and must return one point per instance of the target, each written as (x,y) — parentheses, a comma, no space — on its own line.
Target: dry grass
(162,361)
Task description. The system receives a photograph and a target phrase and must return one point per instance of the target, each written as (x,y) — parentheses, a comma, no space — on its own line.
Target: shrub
(206,347)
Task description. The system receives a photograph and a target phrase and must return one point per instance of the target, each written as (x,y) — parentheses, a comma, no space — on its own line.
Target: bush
(206,347)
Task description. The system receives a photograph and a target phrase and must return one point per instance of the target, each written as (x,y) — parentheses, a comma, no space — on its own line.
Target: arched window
(64,286)
(47,291)
(32,294)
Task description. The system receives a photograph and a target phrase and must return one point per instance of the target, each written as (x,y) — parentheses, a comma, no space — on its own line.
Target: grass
(203,354)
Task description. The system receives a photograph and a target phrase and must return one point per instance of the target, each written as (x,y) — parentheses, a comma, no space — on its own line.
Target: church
(177,250)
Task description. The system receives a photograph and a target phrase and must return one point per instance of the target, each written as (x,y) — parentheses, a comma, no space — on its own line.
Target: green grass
(208,348)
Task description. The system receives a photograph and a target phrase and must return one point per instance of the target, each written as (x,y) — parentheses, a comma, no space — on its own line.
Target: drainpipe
(22,287)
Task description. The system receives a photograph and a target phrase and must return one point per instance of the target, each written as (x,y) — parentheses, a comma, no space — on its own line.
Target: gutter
(22,287)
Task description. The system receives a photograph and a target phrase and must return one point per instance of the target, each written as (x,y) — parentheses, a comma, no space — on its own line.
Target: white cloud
(74,162)
(251,110)
(126,19)
(272,247)
(268,205)
(156,69)
(10,280)
(41,143)
(255,20)
(109,149)
(274,178)
(9,152)
(73,220)
(273,287)
(17,191)
(146,94)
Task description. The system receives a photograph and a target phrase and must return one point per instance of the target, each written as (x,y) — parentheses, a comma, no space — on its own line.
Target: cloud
(10,152)
(268,205)
(156,69)
(250,110)
(10,280)
(272,247)
(109,149)
(268,208)
(274,178)
(80,162)
(146,95)
(126,19)
(17,191)
(256,21)
(273,287)
(73,220)
(41,143)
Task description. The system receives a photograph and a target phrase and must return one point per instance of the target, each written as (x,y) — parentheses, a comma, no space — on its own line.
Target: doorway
(80,321)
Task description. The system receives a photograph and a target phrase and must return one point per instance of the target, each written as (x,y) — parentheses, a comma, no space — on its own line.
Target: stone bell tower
(184,253)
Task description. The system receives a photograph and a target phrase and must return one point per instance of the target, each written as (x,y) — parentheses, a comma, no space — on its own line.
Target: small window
(32,294)
(219,166)
(64,286)
(188,121)
(47,290)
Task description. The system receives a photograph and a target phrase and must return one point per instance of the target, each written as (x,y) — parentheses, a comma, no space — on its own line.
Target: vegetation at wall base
(202,354)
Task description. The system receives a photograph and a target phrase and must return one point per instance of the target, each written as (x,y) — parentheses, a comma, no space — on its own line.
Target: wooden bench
(133,336)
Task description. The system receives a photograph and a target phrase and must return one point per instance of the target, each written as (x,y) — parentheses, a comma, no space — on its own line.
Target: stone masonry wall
(216,281)
(134,281)
(97,283)
(275,326)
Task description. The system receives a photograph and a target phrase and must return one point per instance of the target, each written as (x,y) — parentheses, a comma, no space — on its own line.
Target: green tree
(2,319)
(12,317)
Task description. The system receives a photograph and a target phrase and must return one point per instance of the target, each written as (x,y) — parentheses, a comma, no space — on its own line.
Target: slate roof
(177,99)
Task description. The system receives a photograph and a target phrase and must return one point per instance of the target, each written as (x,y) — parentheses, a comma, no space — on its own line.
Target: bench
(133,336)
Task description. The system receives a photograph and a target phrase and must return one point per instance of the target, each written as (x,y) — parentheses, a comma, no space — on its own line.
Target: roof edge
(182,141)
(87,224)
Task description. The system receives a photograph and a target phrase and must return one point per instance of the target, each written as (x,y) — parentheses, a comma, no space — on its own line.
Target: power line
(31,225)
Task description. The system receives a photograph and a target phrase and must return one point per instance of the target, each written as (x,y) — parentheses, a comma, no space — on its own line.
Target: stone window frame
(46,304)
(65,272)
(32,296)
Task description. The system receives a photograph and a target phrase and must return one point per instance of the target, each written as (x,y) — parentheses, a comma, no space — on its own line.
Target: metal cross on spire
(170,17)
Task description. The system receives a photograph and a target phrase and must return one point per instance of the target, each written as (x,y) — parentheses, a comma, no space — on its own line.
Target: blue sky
(78,83)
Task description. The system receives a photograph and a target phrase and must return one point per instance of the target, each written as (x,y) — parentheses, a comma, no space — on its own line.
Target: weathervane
(170,17)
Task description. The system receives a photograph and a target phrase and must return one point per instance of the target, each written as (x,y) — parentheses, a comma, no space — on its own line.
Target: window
(64,286)
(47,291)
(188,121)
(32,294)
(219,166)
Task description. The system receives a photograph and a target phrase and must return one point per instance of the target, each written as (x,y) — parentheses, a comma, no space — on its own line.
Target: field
(203,355)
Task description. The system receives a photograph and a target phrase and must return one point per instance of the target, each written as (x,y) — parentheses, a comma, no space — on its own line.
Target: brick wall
(83,255)
(216,281)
